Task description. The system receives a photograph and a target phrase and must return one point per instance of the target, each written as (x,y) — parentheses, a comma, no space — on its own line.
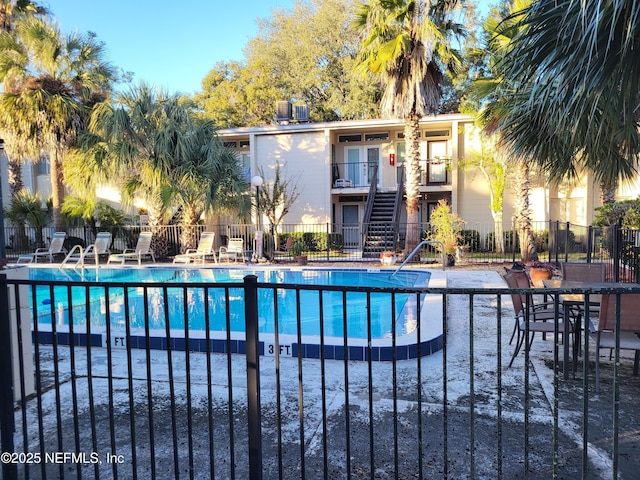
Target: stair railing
(368,208)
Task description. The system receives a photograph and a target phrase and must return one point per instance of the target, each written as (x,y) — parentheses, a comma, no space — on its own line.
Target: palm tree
(49,84)
(163,155)
(577,66)
(27,208)
(407,43)
(496,99)
(207,178)
(10,11)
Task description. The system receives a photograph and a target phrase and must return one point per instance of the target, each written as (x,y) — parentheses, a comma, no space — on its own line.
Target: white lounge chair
(99,247)
(234,250)
(205,249)
(56,247)
(143,249)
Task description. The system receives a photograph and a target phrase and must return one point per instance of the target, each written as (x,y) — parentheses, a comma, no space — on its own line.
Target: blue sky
(168,44)
(171,45)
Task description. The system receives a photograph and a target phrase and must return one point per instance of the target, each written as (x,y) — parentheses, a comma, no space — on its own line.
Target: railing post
(253,377)
(566,243)
(7,421)
(589,243)
(328,241)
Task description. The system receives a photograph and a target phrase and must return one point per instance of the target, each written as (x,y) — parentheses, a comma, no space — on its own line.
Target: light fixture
(392,156)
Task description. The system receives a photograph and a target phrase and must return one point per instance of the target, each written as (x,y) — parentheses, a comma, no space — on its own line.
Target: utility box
(283,112)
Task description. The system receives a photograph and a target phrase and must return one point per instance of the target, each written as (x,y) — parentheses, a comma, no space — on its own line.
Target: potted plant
(296,250)
(388,257)
(445,229)
(539,271)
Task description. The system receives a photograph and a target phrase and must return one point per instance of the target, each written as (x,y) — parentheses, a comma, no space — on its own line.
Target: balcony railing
(360,174)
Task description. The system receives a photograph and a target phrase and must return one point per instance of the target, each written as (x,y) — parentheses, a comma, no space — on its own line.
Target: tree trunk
(14,176)
(607,192)
(188,233)
(57,188)
(528,251)
(412,180)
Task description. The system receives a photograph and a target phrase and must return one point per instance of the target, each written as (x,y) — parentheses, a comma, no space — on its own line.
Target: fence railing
(555,241)
(119,381)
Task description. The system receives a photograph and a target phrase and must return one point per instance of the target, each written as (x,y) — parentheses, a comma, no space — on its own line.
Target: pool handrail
(415,250)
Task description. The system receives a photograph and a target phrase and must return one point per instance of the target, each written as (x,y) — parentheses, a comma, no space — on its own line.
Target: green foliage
(471,238)
(541,239)
(625,213)
(297,248)
(27,208)
(511,240)
(304,54)
(314,241)
(445,227)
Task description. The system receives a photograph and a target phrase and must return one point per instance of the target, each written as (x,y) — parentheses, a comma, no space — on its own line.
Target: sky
(171,45)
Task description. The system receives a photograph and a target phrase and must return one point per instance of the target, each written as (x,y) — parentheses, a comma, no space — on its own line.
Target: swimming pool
(375,317)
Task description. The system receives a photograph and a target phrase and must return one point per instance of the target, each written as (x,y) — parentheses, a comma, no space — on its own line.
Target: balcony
(434,172)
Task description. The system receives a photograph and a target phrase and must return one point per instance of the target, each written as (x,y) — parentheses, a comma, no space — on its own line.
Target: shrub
(471,238)
(511,240)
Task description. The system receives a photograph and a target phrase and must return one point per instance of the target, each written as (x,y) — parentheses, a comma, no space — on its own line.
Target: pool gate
(85,399)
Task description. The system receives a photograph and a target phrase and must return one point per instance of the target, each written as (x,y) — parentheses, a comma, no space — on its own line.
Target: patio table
(575,300)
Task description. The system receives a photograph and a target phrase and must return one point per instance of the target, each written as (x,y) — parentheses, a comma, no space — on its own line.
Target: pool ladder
(415,250)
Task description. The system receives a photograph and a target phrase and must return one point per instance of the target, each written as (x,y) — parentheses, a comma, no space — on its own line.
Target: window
(436,133)
(356,137)
(230,144)
(246,167)
(43,167)
(244,143)
(371,137)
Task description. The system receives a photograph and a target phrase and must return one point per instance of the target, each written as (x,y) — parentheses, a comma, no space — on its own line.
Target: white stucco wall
(305,158)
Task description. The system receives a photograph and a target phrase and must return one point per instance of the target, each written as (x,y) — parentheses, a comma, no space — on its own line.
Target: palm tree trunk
(412,180)
(14,175)
(607,192)
(57,188)
(188,231)
(528,251)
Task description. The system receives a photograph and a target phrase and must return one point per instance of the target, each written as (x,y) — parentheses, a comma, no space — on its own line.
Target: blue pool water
(170,303)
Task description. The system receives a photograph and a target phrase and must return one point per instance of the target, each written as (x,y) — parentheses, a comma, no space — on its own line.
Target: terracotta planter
(539,274)
(301,259)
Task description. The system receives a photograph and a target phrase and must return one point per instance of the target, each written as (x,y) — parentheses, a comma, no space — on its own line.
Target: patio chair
(234,250)
(205,249)
(585,272)
(287,249)
(629,328)
(95,250)
(56,247)
(143,249)
(540,317)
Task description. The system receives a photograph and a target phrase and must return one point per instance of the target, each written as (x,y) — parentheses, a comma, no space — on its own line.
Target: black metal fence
(119,382)
(555,241)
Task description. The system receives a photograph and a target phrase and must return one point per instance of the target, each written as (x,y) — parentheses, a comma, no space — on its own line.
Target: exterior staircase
(381,232)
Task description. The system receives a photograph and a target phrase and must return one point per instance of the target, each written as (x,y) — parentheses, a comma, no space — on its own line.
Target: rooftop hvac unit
(301,113)
(283,111)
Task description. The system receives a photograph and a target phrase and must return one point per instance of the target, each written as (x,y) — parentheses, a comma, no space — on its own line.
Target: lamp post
(257,182)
